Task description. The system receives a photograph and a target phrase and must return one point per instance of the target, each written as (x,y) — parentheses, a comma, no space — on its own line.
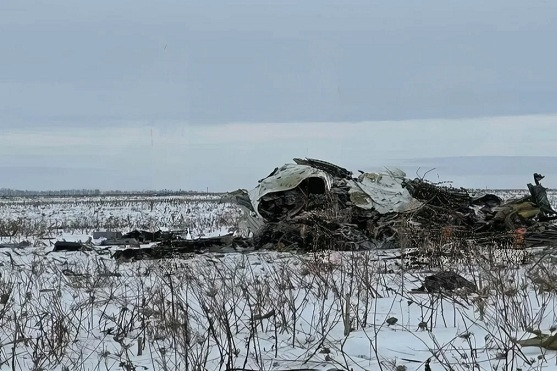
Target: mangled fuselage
(313,204)
(306,201)
(285,192)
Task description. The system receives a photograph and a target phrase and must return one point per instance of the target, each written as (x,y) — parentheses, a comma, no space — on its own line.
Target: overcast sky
(180,94)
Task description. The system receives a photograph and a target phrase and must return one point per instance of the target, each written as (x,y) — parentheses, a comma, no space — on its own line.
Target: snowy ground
(48,217)
(253,310)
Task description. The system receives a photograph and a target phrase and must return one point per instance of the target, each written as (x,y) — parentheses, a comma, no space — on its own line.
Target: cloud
(215,62)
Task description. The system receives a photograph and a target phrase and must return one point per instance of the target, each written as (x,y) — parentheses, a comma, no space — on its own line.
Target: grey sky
(138,95)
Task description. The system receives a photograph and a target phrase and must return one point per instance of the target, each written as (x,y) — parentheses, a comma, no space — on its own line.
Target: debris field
(314,205)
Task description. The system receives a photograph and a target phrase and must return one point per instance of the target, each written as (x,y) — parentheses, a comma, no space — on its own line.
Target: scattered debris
(175,248)
(315,205)
(446,281)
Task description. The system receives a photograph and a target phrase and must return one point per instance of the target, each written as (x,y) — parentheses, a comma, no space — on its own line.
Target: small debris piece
(422,325)
(391,321)
(67,246)
(447,281)
(539,196)
(4,298)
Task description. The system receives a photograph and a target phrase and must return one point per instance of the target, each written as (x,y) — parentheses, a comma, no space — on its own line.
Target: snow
(261,310)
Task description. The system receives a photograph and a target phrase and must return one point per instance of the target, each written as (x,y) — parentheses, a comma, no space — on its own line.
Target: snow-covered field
(263,310)
(50,217)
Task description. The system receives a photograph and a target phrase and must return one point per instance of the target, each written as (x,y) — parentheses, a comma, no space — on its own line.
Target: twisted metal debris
(315,205)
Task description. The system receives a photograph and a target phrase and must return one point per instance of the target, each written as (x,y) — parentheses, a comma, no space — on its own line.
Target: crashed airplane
(315,205)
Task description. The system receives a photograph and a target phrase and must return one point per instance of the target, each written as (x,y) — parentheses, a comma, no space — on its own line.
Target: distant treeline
(6,192)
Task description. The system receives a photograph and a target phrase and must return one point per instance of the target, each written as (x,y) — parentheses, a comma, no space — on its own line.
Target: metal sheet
(287,177)
(382,192)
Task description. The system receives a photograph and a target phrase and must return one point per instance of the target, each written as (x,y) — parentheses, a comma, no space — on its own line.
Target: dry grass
(274,311)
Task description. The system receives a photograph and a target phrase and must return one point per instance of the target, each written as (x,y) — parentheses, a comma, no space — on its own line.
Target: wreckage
(315,205)
(312,204)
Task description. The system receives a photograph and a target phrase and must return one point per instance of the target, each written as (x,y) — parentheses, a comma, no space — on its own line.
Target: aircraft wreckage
(315,205)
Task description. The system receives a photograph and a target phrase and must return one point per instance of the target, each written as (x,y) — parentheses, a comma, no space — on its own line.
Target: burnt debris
(176,248)
(446,281)
(315,205)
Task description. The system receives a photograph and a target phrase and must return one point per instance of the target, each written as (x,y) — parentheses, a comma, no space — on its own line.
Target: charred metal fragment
(67,246)
(447,281)
(327,167)
(175,248)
